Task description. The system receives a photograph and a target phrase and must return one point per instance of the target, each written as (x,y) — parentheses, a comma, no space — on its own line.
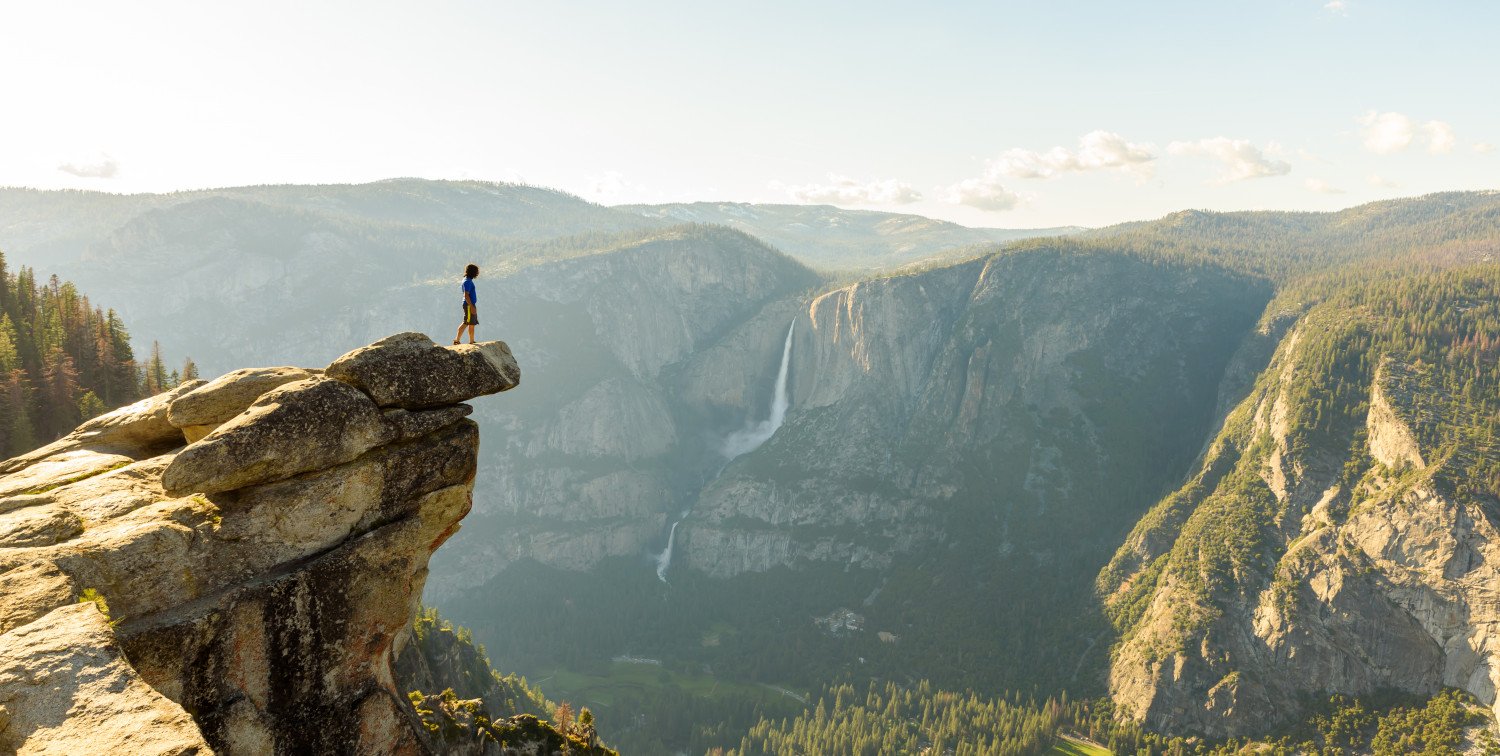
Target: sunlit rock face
(259,581)
(1360,560)
(1015,388)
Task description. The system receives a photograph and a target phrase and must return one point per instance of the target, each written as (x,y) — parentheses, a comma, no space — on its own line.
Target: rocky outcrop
(409,371)
(1392,442)
(260,580)
(1324,546)
(206,408)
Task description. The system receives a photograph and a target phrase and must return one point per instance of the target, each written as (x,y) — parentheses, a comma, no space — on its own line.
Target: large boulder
(294,428)
(80,695)
(200,411)
(408,370)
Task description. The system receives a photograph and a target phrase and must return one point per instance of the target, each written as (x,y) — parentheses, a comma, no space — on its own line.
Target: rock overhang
(296,506)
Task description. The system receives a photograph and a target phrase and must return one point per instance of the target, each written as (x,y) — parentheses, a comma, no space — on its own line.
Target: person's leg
(460,334)
(471,334)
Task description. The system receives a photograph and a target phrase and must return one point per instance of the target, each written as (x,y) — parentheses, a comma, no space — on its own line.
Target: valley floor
(1077,747)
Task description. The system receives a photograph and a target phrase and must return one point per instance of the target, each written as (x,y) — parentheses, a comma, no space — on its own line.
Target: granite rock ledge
(233,567)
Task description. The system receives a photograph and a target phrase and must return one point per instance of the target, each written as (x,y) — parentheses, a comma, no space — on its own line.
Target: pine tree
(20,434)
(562,718)
(90,406)
(10,359)
(122,381)
(59,391)
(62,360)
(155,380)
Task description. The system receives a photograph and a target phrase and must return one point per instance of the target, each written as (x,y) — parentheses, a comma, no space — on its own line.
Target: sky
(1004,114)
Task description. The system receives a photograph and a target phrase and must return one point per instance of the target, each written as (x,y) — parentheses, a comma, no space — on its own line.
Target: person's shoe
(455,342)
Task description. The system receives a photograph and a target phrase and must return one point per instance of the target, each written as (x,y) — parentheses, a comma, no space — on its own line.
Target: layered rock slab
(262,578)
(409,371)
(294,428)
(200,411)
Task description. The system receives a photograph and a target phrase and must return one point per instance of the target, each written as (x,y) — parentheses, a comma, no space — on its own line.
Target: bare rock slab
(294,428)
(66,689)
(225,397)
(409,371)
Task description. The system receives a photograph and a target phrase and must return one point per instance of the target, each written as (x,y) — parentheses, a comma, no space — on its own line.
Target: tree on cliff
(62,360)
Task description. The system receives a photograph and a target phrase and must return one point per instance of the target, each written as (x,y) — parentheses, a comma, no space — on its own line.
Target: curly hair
(472,271)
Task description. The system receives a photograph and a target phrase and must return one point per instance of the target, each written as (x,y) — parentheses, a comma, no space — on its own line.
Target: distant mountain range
(835,239)
(971,431)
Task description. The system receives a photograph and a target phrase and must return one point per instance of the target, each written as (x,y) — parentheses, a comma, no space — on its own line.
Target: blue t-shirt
(469,289)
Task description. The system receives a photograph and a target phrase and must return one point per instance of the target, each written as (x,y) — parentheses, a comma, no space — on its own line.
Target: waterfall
(664,560)
(743,441)
(750,438)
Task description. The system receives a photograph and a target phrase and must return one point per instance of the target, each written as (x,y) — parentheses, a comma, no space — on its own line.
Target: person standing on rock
(471,300)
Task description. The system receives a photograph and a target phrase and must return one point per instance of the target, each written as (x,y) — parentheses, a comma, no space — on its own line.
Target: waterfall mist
(750,438)
(743,441)
(664,560)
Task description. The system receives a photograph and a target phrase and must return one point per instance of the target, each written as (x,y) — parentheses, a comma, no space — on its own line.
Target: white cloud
(1484,148)
(1375,179)
(984,192)
(1321,187)
(94,166)
(1097,151)
(1241,159)
(1440,139)
(1337,6)
(847,191)
(1385,133)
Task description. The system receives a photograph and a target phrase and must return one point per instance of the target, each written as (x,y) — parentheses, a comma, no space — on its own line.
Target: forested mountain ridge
(1339,534)
(839,239)
(451,208)
(1448,228)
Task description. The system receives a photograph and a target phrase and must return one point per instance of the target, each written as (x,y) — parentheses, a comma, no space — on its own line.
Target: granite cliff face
(594,462)
(248,592)
(1016,386)
(943,427)
(1340,535)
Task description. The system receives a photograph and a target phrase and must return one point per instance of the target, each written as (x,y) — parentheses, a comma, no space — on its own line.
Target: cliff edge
(232,567)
